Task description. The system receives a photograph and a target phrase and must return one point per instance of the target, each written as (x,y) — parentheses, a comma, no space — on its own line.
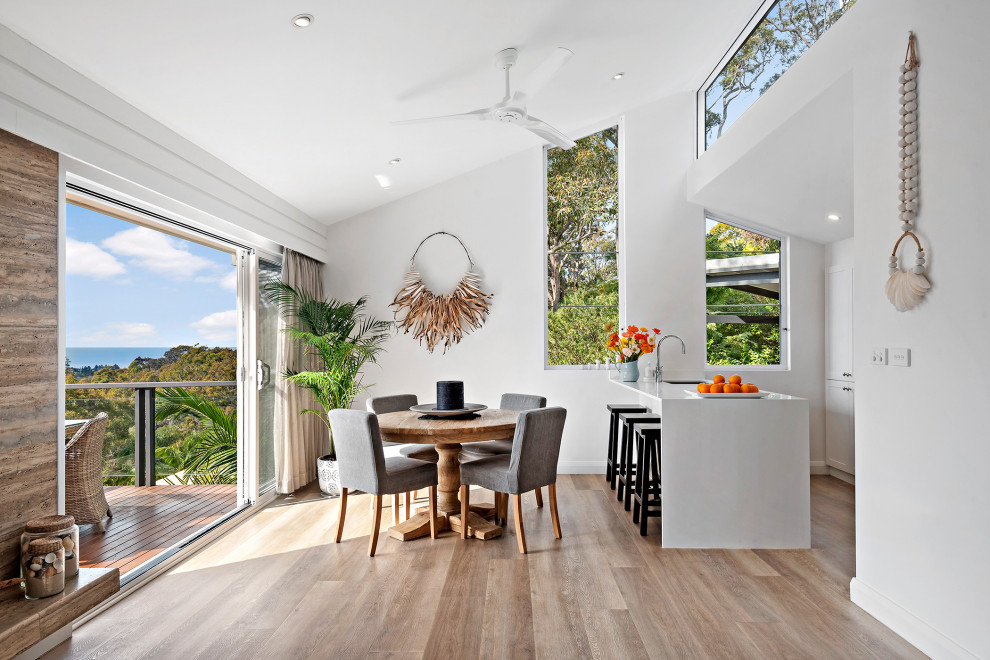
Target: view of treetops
(145,306)
(743,295)
(788,30)
(582,234)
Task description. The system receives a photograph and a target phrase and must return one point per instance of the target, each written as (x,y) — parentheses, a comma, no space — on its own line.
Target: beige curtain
(299,439)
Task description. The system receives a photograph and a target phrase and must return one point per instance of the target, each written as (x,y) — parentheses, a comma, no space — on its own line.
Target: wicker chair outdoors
(84,498)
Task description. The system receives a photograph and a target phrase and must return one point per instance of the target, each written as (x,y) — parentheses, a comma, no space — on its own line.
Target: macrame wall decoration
(906,288)
(443,318)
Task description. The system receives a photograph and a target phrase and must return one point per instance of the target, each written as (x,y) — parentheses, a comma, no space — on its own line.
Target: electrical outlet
(879,356)
(900,357)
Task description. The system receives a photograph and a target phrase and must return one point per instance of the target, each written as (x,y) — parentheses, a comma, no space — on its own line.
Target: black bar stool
(625,468)
(647,496)
(613,436)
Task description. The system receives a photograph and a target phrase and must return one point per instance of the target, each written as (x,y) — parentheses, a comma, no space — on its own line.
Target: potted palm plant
(341,340)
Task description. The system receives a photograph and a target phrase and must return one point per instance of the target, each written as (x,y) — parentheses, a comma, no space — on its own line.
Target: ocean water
(90,356)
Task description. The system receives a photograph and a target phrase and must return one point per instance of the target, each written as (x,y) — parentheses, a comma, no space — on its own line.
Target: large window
(743,290)
(785,32)
(582,231)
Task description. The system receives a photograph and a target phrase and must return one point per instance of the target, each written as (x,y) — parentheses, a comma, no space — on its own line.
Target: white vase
(328,471)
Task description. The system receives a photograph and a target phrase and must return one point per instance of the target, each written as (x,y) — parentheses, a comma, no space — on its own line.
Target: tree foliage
(740,343)
(789,29)
(582,234)
(173,436)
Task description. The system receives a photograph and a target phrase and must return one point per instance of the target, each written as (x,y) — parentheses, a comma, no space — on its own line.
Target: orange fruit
(718,379)
(731,388)
(715,388)
(753,388)
(735,380)
(748,387)
(703,388)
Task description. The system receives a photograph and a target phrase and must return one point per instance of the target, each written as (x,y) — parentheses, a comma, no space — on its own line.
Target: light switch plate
(900,357)
(879,356)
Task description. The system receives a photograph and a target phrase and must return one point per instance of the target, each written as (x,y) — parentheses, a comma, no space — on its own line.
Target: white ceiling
(306,113)
(798,175)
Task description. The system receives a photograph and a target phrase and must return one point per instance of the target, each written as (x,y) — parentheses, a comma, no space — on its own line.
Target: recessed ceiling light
(618,76)
(833,217)
(395,161)
(383,181)
(303,20)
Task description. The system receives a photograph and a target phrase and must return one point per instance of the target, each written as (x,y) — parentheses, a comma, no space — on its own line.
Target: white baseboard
(819,467)
(581,467)
(916,631)
(844,476)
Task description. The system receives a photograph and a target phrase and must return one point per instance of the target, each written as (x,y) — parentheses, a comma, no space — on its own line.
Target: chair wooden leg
(517,512)
(433,512)
(554,516)
(395,509)
(376,523)
(539,498)
(340,514)
(408,511)
(465,504)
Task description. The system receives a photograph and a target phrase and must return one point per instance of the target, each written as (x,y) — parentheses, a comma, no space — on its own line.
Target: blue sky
(131,286)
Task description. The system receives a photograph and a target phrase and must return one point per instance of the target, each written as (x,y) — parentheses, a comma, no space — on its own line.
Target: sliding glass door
(267,343)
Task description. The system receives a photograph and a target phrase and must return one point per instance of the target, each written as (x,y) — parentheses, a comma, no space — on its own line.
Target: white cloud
(157,252)
(219,328)
(229,281)
(121,334)
(89,260)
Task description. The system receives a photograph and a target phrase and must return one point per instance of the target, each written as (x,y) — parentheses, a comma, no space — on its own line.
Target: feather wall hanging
(906,288)
(443,318)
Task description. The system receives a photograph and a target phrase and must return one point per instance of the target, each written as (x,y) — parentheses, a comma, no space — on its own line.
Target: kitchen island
(733,473)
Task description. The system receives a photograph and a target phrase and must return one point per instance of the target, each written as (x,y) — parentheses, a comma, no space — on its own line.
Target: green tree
(582,234)
(209,456)
(740,343)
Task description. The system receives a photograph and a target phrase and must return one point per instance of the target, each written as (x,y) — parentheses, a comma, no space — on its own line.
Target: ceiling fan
(512,108)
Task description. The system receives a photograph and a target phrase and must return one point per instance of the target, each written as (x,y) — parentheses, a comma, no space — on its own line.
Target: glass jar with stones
(43,567)
(61,527)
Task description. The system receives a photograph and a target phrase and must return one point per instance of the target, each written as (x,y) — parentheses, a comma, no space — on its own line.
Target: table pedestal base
(419,525)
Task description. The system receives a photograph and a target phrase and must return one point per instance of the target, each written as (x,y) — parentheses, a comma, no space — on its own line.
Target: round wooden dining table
(447,436)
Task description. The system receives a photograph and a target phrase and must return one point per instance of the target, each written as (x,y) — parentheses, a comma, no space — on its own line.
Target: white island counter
(734,473)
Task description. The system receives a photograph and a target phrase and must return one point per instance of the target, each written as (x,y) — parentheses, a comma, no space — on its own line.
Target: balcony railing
(145,426)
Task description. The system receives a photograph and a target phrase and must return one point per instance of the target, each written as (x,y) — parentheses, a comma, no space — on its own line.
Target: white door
(840,445)
(839,348)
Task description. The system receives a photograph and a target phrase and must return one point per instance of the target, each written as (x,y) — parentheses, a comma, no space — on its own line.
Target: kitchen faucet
(658,370)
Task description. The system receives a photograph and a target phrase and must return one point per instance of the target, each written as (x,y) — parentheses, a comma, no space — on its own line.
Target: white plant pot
(328,471)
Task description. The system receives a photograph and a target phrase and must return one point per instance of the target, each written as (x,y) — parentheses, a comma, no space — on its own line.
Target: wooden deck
(147,520)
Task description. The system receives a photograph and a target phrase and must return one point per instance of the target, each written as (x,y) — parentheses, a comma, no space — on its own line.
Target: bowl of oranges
(733,388)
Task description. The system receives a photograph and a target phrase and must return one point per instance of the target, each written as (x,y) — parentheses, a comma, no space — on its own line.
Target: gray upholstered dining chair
(381,405)
(474,450)
(532,464)
(363,466)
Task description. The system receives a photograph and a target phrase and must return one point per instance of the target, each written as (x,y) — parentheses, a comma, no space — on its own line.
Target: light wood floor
(277,587)
(148,520)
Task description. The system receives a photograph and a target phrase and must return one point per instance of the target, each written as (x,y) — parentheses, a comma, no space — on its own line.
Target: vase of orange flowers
(629,345)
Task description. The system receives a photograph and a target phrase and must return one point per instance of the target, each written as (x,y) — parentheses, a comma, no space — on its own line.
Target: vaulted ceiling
(307,112)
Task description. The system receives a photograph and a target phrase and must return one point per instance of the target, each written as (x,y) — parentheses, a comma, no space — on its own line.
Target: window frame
(618,122)
(785,300)
(763,8)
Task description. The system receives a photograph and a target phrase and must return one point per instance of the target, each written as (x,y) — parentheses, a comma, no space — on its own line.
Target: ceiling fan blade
(548,133)
(546,71)
(482,113)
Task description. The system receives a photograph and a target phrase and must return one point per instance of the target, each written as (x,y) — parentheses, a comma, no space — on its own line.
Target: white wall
(922,450)
(104,139)
(498,211)
(923,533)
(841,253)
